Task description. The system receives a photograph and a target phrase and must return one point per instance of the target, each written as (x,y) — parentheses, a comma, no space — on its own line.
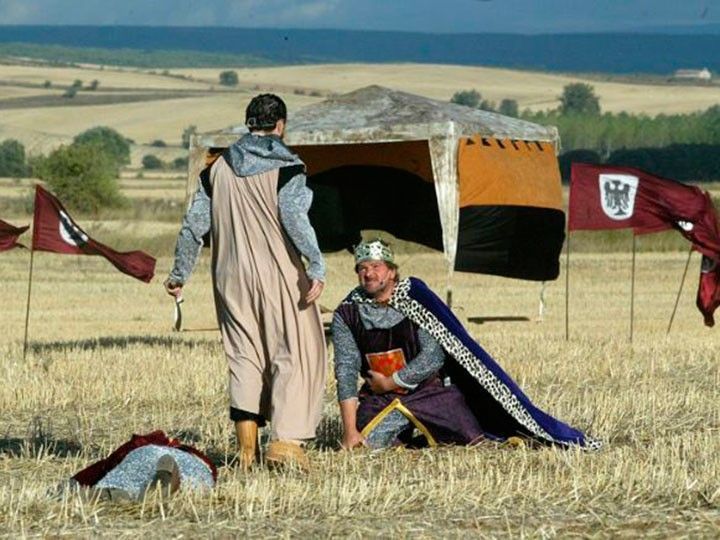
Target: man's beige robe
(273,340)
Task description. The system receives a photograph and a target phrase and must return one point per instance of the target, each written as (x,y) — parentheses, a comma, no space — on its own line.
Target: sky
(441,16)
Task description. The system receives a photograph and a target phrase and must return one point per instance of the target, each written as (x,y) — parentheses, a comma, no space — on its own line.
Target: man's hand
(352,439)
(172,288)
(379,383)
(316,289)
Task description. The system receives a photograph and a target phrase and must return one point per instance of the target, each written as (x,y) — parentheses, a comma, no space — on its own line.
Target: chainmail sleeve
(196,223)
(294,200)
(430,359)
(347,359)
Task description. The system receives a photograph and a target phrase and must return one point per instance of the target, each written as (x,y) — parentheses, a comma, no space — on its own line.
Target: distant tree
(94,85)
(229,78)
(109,140)
(83,176)
(579,98)
(509,107)
(487,105)
(12,158)
(469,98)
(180,163)
(70,92)
(47,84)
(711,122)
(77,83)
(187,133)
(151,162)
(158,143)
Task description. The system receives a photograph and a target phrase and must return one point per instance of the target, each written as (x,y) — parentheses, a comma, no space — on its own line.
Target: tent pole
(27,309)
(632,289)
(567,289)
(682,282)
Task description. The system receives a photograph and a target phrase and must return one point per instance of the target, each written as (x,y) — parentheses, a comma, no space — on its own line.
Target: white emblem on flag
(686,226)
(617,195)
(69,232)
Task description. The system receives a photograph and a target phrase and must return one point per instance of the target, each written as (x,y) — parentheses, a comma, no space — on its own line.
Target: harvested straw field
(533,90)
(103,364)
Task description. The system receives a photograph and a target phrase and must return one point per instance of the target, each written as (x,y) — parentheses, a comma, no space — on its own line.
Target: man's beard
(379,289)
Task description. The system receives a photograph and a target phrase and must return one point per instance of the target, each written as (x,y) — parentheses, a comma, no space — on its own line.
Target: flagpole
(567,289)
(27,309)
(632,290)
(682,282)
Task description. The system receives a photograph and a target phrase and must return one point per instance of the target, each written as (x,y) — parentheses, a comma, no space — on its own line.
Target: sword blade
(177,326)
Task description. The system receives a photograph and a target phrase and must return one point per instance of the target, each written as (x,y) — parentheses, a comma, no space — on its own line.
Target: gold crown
(377,250)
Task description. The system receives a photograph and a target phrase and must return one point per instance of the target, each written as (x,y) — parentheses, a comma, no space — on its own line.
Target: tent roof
(378,114)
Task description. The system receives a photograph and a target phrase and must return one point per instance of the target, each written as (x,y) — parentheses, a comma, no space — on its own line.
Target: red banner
(607,197)
(54,230)
(708,293)
(9,235)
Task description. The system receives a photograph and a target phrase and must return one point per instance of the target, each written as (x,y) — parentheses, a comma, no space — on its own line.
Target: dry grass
(103,364)
(534,90)
(128,78)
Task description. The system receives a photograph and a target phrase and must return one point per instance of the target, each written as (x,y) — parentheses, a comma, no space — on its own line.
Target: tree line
(679,146)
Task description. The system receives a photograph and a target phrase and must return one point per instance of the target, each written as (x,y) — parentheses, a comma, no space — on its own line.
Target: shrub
(47,84)
(70,92)
(109,140)
(229,78)
(158,143)
(77,83)
(579,98)
(487,105)
(509,107)
(12,158)
(151,161)
(469,98)
(94,85)
(180,163)
(82,175)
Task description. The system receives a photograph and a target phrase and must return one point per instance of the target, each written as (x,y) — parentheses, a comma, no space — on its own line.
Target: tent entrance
(353,198)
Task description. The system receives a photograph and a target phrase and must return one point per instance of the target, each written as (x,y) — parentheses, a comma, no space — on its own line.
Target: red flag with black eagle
(55,231)
(609,197)
(9,235)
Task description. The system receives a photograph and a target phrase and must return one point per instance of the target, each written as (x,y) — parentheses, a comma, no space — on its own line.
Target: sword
(177,327)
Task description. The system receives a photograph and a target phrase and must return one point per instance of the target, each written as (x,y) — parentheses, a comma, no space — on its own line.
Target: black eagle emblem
(617,197)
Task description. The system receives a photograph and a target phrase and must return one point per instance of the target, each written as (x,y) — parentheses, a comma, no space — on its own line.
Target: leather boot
(247,434)
(287,454)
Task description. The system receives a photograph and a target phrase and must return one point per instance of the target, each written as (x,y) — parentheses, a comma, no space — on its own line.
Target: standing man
(254,201)
(422,370)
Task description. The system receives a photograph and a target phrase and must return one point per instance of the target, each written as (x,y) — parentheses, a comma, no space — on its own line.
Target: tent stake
(682,282)
(27,309)
(632,289)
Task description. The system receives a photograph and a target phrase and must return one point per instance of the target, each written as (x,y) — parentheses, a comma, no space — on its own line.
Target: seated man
(422,369)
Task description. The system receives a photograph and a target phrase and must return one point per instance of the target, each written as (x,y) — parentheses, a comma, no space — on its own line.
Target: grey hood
(255,154)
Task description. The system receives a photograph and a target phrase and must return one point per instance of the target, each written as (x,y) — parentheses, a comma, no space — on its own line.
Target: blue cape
(499,404)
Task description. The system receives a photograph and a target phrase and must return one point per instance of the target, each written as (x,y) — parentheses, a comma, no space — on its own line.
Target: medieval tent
(481,187)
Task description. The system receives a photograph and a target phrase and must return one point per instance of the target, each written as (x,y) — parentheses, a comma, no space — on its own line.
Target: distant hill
(659,53)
